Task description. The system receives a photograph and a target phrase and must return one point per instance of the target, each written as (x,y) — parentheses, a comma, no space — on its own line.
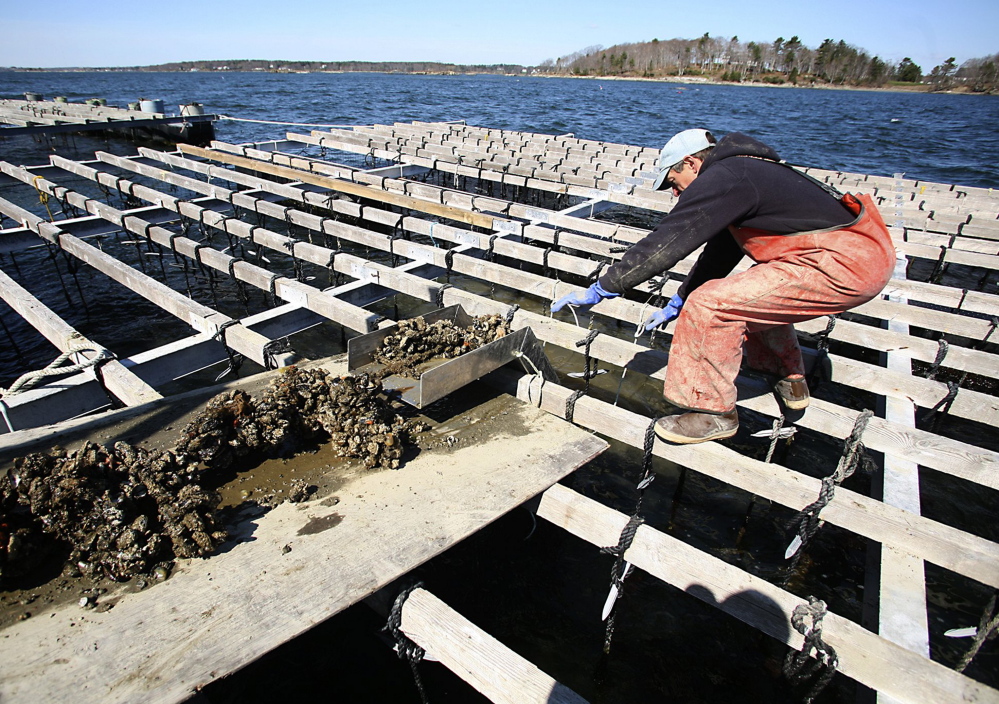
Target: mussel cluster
(416,341)
(123,510)
(300,405)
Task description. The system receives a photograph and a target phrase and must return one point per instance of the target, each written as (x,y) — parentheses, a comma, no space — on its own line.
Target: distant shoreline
(683,80)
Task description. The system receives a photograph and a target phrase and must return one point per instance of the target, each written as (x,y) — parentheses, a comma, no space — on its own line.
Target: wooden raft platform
(519,218)
(287,570)
(39,117)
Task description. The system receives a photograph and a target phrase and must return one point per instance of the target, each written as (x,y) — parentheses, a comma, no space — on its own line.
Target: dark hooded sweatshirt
(730,189)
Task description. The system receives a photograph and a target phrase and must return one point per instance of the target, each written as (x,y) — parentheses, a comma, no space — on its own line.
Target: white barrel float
(150,105)
(192,109)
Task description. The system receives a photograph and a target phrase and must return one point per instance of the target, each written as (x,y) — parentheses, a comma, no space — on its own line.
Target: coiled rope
(33,378)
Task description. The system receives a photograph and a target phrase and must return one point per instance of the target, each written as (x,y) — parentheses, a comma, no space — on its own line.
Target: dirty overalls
(797,277)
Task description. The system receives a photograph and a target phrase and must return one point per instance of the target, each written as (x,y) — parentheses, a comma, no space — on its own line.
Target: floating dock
(503,223)
(40,117)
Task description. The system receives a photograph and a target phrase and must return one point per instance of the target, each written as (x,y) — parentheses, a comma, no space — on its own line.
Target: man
(816,254)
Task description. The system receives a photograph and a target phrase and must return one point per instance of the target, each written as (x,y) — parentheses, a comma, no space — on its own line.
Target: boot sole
(795,405)
(687,440)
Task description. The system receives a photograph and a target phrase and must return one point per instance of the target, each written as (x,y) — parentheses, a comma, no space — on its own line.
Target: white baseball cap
(680,145)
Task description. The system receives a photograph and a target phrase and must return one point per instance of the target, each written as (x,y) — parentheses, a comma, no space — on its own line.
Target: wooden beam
(347,187)
(199,317)
(487,665)
(280,575)
(935,542)
(127,387)
(863,656)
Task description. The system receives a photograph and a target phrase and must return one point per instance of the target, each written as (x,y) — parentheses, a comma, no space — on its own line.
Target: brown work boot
(793,391)
(692,427)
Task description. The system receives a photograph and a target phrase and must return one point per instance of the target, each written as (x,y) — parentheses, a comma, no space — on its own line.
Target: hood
(739,144)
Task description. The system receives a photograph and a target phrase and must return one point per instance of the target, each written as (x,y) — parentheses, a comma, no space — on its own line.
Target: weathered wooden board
(478,658)
(863,656)
(213,616)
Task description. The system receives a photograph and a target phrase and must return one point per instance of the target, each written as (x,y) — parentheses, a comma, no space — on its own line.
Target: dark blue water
(946,138)
(541,596)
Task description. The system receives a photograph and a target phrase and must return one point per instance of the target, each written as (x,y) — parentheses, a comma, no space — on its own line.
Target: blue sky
(109,33)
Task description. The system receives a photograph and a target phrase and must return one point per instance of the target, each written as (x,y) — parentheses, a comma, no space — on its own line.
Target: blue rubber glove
(664,315)
(594,294)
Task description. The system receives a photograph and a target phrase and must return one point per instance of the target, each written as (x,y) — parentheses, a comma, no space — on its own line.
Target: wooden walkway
(284,571)
(525,214)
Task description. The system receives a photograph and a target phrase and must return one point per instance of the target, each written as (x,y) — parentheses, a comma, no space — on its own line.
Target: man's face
(680,180)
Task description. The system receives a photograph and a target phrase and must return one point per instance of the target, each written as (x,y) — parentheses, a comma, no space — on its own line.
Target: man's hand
(594,294)
(664,315)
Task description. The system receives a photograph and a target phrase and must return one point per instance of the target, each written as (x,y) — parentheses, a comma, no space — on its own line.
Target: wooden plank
(901,588)
(863,656)
(476,657)
(284,287)
(201,318)
(939,453)
(944,322)
(215,615)
(127,387)
(935,542)
(341,186)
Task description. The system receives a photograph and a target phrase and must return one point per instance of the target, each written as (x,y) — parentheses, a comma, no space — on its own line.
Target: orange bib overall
(797,277)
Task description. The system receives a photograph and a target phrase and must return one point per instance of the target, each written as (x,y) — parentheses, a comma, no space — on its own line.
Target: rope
(988,626)
(295,261)
(943,405)
(820,372)
(587,375)
(619,572)
(272,288)
(31,379)
(449,263)
(942,348)
(334,275)
(826,659)
(43,197)
(235,359)
(775,435)
(240,288)
(440,294)
(993,324)
(405,648)
(854,453)
(570,404)
(939,268)
(595,274)
(508,318)
(274,348)
(621,569)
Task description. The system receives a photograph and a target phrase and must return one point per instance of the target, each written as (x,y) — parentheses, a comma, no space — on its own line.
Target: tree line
(319,66)
(781,61)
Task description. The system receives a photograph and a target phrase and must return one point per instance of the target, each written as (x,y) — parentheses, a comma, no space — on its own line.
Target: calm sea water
(541,596)
(947,138)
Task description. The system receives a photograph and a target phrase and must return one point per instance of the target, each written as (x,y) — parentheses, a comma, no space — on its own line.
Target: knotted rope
(854,453)
(988,626)
(405,648)
(807,620)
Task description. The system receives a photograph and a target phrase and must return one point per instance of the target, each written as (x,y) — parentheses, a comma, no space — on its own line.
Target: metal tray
(442,376)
